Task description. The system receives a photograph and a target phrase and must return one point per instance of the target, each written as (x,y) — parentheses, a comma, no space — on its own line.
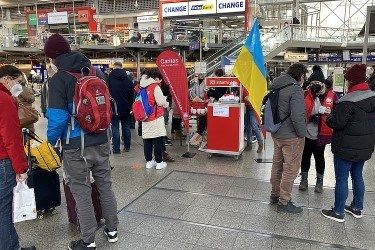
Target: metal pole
(200,44)
(74,24)
(367,33)
(3,26)
(114,13)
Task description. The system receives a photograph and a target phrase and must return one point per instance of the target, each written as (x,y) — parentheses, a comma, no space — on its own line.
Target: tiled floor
(217,203)
(228,220)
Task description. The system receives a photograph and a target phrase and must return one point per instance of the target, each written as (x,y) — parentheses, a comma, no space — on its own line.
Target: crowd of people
(348,123)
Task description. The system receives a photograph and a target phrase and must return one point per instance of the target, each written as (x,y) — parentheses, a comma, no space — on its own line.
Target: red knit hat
(356,74)
(55,46)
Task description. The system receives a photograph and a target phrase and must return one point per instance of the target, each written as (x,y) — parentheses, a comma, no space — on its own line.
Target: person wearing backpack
(121,89)
(289,137)
(353,141)
(153,128)
(84,141)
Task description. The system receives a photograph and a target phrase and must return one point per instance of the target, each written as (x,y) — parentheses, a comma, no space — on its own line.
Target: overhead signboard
(42,18)
(296,56)
(147,19)
(202,7)
(32,19)
(58,17)
(229,6)
(175,9)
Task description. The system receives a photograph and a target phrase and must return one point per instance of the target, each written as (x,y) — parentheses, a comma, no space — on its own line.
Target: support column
(139,64)
(74,24)
(37,26)
(367,33)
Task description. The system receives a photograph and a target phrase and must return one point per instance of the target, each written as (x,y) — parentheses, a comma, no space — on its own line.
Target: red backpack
(91,103)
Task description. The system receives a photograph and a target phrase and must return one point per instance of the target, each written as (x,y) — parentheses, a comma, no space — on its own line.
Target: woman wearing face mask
(26,98)
(318,104)
(13,164)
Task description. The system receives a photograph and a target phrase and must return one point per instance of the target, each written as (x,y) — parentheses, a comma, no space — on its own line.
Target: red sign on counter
(222,82)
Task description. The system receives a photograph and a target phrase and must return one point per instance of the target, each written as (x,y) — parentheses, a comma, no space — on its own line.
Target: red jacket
(11,144)
(325,133)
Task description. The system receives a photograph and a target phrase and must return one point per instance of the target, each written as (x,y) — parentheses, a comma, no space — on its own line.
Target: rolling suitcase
(71,204)
(46,184)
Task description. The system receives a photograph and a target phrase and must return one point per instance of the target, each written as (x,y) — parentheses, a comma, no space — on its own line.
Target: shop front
(219,21)
(64,21)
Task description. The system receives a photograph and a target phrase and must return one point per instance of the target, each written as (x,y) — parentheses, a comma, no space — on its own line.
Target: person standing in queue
(13,164)
(121,89)
(79,160)
(353,124)
(153,129)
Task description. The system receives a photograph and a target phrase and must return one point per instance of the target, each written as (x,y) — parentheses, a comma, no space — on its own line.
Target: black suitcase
(46,187)
(46,184)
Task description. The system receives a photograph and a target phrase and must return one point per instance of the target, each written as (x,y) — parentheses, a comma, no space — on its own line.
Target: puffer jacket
(353,124)
(60,103)
(121,89)
(291,102)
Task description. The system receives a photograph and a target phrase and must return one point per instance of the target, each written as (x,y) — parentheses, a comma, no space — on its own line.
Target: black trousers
(176,124)
(311,148)
(156,144)
(201,124)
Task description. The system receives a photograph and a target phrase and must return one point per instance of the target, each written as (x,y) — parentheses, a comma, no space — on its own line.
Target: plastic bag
(24,205)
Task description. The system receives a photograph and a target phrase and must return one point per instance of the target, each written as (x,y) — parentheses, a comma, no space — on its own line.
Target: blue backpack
(142,109)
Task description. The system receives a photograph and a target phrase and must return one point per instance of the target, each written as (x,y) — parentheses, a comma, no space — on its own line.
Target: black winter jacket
(121,89)
(353,123)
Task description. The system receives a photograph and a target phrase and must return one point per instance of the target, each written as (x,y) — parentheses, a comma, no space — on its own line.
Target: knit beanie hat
(55,46)
(317,75)
(356,74)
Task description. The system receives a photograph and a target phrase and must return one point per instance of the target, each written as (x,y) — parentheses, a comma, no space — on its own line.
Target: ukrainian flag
(250,68)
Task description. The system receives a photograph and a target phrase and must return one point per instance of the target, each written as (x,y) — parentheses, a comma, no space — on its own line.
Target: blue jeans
(125,127)
(8,234)
(342,170)
(251,126)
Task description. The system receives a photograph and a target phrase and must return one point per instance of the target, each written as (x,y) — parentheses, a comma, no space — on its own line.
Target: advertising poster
(338,79)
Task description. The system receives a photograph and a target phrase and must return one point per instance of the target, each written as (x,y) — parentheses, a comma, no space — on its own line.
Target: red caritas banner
(174,73)
(222,82)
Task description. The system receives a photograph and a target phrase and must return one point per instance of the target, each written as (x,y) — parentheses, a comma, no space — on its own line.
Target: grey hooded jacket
(291,101)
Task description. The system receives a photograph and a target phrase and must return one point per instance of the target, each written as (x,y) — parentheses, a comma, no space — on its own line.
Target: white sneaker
(161,165)
(150,164)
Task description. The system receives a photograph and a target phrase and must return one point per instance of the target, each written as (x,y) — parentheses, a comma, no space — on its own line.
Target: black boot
(304,182)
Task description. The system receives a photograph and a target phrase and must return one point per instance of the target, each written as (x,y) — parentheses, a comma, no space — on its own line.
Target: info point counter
(225,120)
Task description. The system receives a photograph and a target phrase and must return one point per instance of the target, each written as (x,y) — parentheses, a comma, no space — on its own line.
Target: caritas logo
(169,62)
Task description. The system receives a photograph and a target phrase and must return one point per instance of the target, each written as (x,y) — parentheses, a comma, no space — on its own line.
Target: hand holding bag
(27,115)
(24,205)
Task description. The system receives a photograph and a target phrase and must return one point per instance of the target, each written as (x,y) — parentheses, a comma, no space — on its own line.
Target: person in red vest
(319,100)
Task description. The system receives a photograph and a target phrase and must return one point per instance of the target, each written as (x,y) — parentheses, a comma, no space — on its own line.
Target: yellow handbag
(44,154)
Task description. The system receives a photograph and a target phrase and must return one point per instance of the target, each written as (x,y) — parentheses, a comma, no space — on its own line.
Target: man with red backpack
(79,114)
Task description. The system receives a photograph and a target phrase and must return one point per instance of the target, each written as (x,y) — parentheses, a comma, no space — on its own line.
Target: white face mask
(16,89)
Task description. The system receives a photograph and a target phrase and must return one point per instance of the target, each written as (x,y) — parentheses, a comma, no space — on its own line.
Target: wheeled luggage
(46,184)
(71,204)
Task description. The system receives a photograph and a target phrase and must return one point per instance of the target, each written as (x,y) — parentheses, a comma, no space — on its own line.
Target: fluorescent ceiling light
(223,17)
(240,16)
(234,25)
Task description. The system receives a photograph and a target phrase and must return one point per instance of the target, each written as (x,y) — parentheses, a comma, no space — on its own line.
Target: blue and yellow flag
(250,68)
